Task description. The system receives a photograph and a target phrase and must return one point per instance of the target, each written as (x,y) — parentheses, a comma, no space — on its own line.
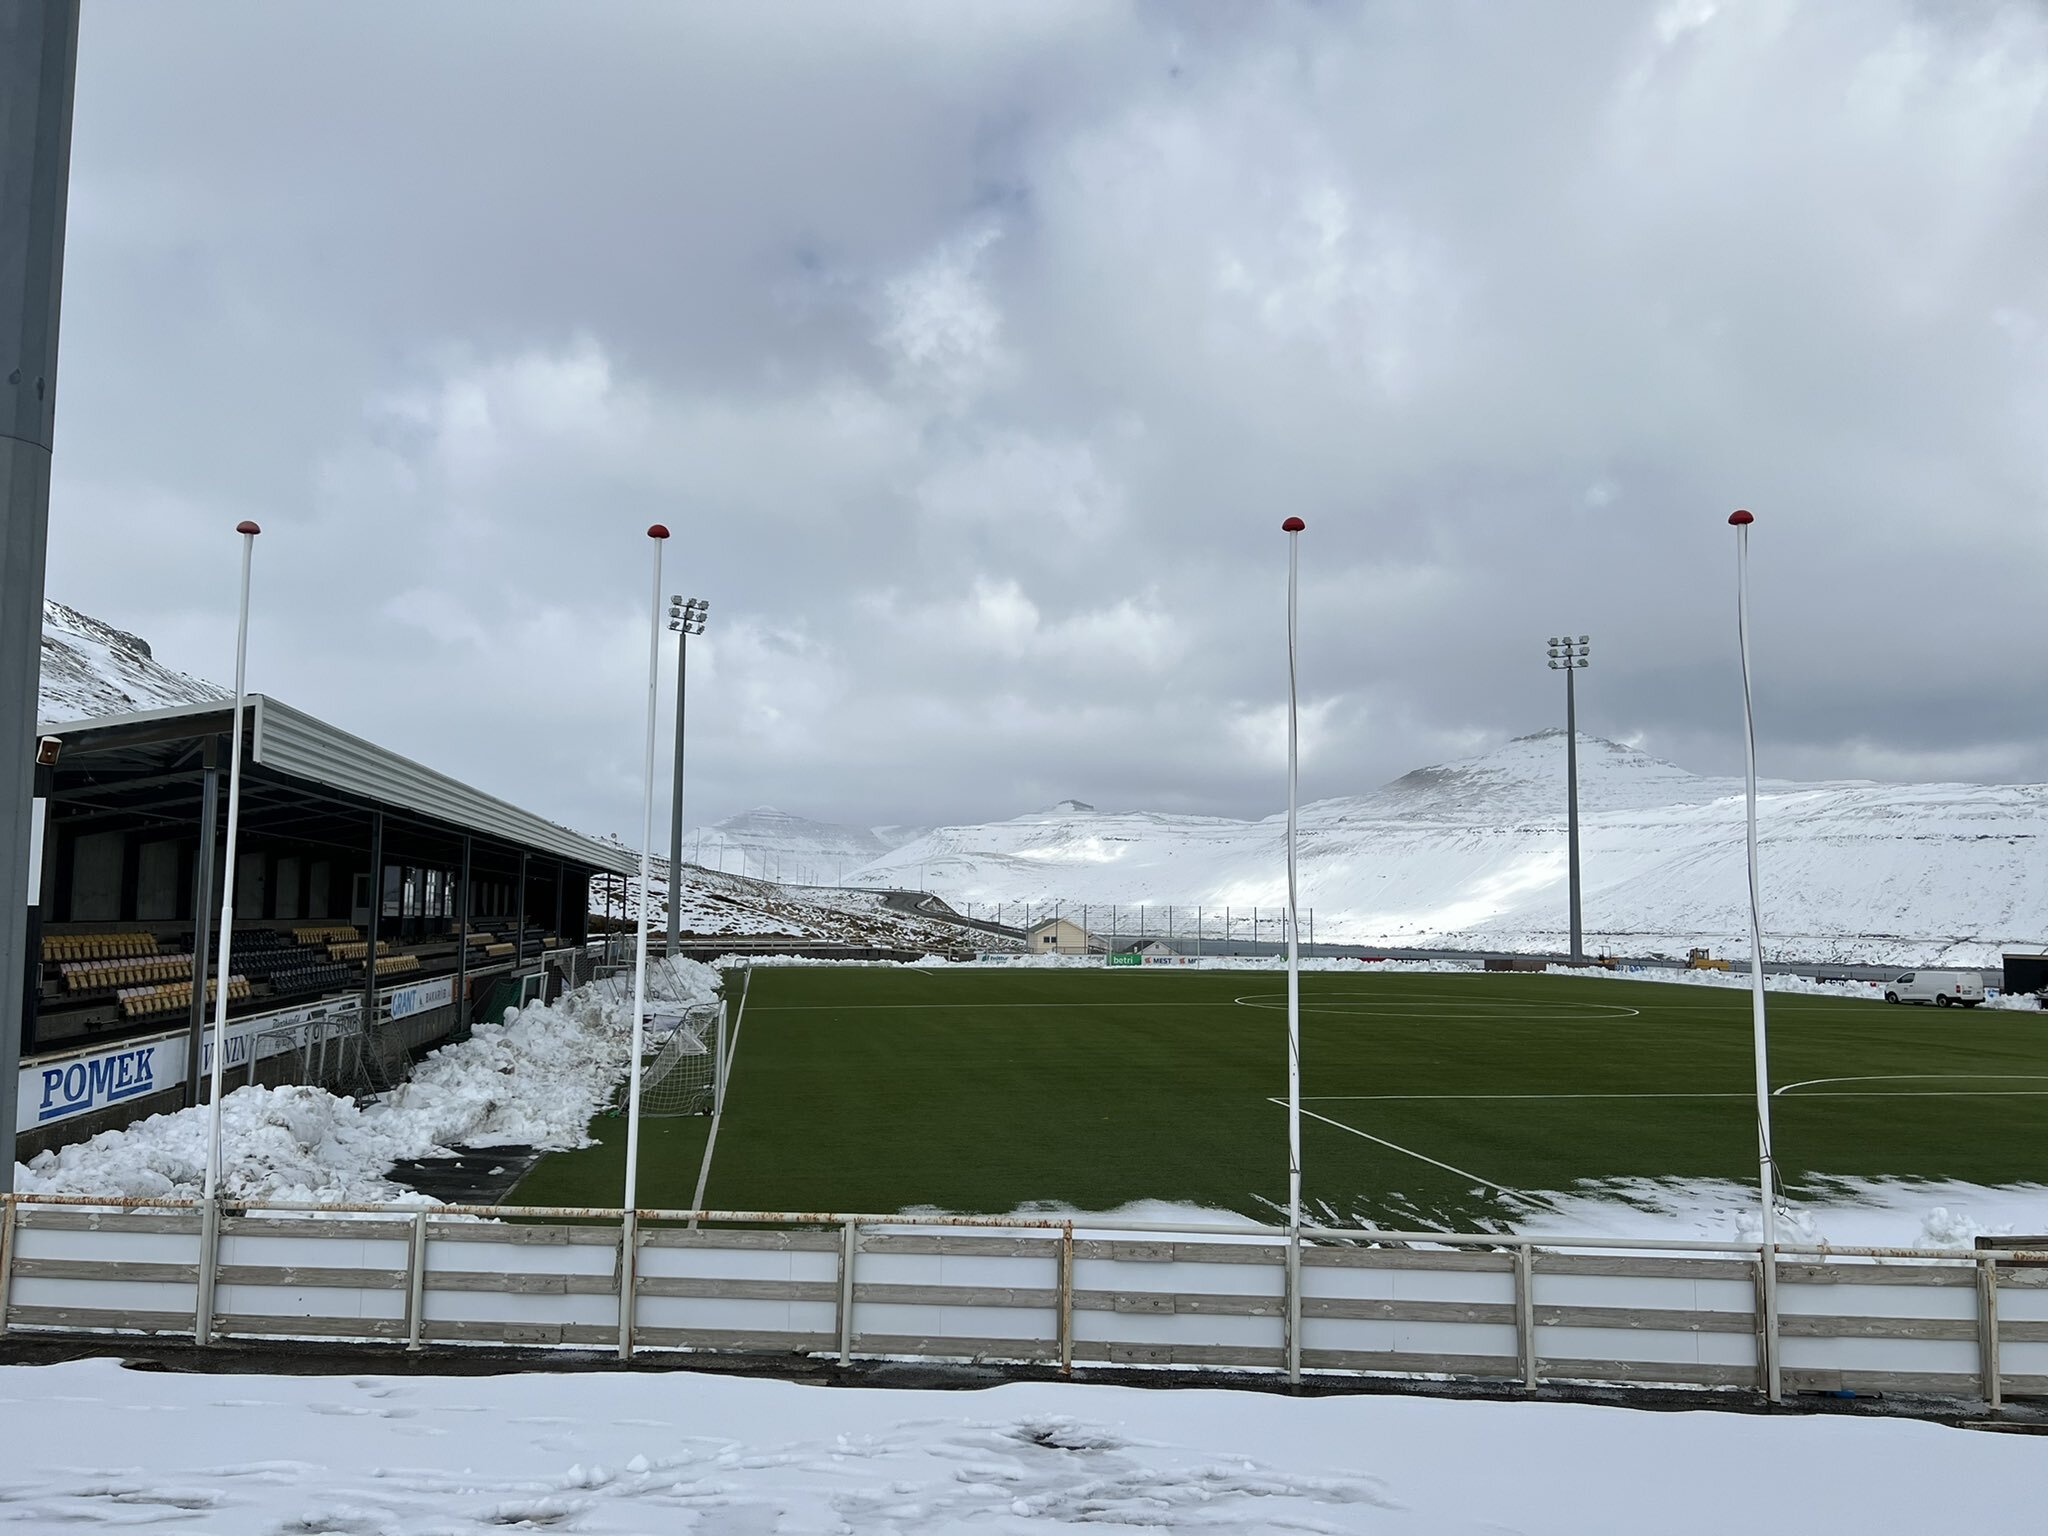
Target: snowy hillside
(774,845)
(90,668)
(739,907)
(1473,853)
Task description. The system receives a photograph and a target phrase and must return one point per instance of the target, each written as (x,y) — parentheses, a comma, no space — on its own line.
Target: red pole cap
(658,531)
(1740,519)
(245,526)
(1293,525)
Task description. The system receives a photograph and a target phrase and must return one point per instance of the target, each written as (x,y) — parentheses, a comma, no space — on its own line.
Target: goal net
(683,1072)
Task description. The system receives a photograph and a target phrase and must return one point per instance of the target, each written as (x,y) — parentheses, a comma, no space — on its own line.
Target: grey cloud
(975,352)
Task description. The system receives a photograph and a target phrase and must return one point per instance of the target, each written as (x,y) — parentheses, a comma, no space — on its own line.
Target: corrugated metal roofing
(290,741)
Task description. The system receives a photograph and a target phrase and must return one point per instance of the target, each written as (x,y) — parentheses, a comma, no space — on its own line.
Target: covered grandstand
(379,906)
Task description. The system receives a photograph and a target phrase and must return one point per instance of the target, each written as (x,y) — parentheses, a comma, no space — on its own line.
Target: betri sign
(86,1083)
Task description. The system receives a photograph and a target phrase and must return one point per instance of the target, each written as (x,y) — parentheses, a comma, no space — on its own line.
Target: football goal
(683,1072)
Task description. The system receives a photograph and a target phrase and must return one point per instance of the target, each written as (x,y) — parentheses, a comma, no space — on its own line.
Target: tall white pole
(1767,1169)
(248,531)
(629,1235)
(1293,527)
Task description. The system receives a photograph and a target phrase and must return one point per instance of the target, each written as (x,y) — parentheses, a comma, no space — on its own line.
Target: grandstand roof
(294,744)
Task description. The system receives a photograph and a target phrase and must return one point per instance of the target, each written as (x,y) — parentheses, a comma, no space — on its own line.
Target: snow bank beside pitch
(537,1078)
(1845,1212)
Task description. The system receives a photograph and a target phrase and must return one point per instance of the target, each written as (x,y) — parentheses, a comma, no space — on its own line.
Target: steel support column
(462,1011)
(204,860)
(519,941)
(38,67)
(376,916)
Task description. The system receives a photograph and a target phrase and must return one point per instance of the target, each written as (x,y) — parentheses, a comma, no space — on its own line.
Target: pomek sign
(58,1090)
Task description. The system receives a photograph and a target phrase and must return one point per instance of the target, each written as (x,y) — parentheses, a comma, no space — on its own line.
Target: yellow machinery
(1702,960)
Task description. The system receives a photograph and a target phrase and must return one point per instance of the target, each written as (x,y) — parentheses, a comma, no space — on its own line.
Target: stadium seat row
(102,975)
(333,934)
(98,946)
(175,997)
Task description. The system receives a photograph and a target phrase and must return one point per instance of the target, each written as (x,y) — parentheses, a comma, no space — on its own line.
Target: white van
(1942,988)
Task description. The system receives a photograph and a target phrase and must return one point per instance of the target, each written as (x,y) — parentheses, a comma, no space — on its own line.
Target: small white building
(1151,949)
(1057,936)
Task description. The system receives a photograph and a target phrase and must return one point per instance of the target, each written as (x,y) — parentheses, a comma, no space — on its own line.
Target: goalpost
(684,1073)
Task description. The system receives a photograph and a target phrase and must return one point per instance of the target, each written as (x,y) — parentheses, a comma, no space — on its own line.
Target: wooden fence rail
(1510,1309)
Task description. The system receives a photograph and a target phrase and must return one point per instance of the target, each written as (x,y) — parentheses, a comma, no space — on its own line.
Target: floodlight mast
(1568,655)
(686,616)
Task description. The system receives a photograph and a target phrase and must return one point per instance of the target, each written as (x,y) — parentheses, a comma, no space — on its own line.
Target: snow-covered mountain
(90,668)
(1473,853)
(794,850)
(743,908)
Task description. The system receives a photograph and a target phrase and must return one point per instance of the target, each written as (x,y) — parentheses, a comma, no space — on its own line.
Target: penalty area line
(1463,1173)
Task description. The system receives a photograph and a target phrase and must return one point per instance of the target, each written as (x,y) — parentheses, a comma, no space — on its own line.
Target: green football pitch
(1433,1099)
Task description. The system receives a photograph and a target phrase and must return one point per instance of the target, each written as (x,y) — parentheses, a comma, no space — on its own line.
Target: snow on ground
(1043,962)
(1847,1213)
(536,1078)
(89,668)
(1471,855)
(90,1444)
(737,906)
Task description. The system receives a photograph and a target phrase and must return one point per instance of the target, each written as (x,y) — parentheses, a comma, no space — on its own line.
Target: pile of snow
(537,1079)
(677,1451)
(1868,991)
(1844,1212)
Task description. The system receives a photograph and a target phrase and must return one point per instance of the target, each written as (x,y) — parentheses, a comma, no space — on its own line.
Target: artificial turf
(884,1089)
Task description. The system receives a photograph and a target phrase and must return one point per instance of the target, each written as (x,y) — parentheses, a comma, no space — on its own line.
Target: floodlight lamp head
(1582,640)
(1551,641)
(1583,662)
(674,601)
(1555,664)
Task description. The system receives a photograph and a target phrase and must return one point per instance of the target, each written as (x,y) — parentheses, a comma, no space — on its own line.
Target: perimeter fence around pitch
(1508,1310)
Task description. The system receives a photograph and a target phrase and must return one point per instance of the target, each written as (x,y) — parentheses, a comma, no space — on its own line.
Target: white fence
(1479,1308)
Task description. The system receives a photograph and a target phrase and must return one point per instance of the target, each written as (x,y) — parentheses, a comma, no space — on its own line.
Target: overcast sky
(974,353)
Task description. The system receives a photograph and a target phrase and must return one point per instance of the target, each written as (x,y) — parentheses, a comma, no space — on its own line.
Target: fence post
(629,1257)
(7,1210)
(209,1266)
(1525,1312)
(1767,1378)
(1066,1299)
(416,1282)
(849,1245)
(1987,1333)
(1293,1323)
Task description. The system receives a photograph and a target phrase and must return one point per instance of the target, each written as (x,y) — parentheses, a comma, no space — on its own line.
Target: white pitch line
(1921,1077)
(732,1050)
(1322,1098)
(1419,1156)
